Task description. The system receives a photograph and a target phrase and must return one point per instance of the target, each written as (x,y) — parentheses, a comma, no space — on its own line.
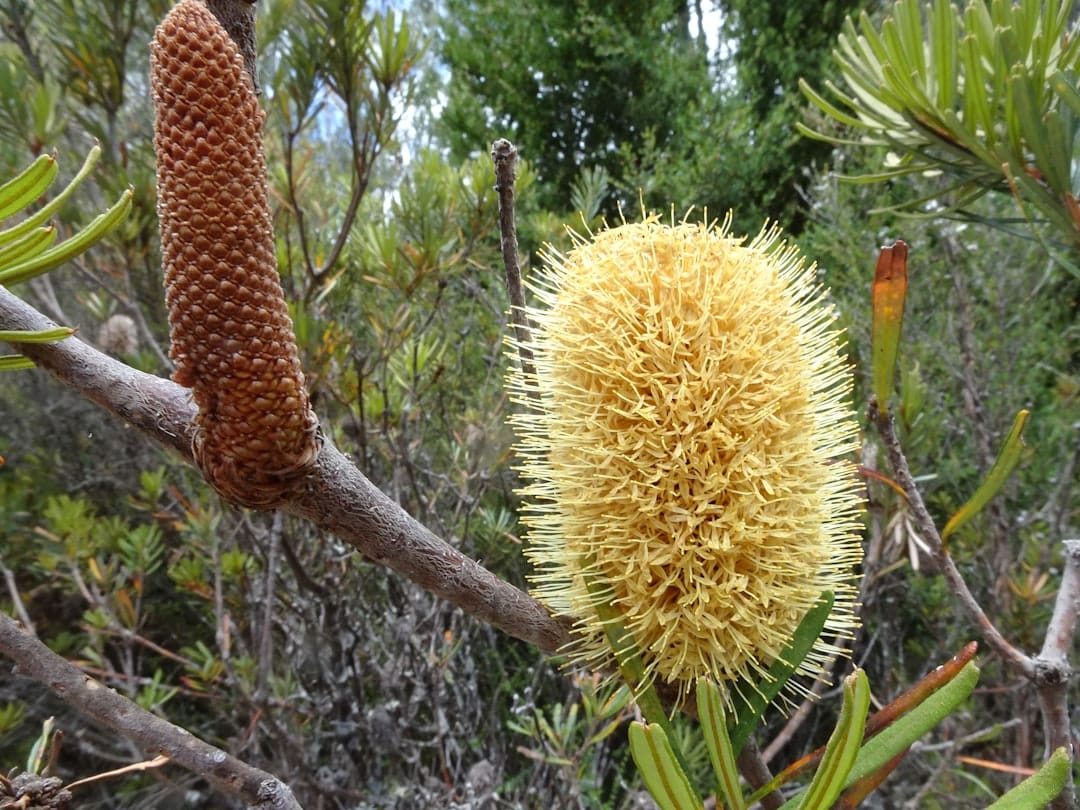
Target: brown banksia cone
(256,436)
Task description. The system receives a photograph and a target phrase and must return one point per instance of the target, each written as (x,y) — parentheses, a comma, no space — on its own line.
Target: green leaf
(667,782)
(888,295)
(1066,90)
(53,205)
(71,247)
(710,706)
(27,246)
(1007,459)
(900,734)
(43,336)
(629,660)
(15,362)
(39,751)
(27,186)
(843,745)
(1040,788)
(752,699)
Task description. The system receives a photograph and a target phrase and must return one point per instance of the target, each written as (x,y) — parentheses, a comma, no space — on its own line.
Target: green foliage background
(355,687)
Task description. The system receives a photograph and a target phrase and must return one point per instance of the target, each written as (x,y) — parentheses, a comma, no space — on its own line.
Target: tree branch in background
(1052,670)
(1049,671)
(505,156)
(237,17)
(261,790)
(336,497)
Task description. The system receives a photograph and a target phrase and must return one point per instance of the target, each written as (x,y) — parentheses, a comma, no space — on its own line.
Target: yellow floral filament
(683,436)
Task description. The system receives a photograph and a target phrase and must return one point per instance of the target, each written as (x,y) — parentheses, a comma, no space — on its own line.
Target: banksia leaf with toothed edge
(231,336)
(684,434)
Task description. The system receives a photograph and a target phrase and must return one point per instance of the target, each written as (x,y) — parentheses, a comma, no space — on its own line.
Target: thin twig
(16,599)
(504,155)
(266,631)
(1049,672)
(135,767)
(886,428)
(1052,670)
(757,774)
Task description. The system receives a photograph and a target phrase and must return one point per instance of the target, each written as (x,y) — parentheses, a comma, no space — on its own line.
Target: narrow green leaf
(1007,459)
(855,793)
(910,36)
(15,362)
(1039,789)
(71,247)
(28,246)
(900,734)
(53,205)
(27,186)
(843,745)
(1066,90)
(43,336)
(710,706)
(1056,161)
(829,109)
(888,295)
(943,46)
(977,115)
(751,699)
(667,782)
(39,751)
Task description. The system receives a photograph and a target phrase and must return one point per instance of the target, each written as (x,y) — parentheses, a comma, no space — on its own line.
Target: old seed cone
(231,336)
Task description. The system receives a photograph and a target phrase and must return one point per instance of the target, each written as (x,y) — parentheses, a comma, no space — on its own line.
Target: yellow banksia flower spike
(684,435)
(231,337)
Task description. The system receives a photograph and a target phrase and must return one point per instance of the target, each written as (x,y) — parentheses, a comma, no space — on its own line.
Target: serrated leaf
(667,782)
(1007,459)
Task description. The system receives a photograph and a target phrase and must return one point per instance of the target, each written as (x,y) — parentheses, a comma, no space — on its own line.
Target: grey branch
(505,155)
(153,735)
(237,17)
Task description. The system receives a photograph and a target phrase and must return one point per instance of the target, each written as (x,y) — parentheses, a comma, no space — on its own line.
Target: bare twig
(757,774)
(135,767)
(1052,670)
(505,156)
(16,598)
(1049,671)
(152,734)
(795,722)
(266,631)
(886,428)
(238,18)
